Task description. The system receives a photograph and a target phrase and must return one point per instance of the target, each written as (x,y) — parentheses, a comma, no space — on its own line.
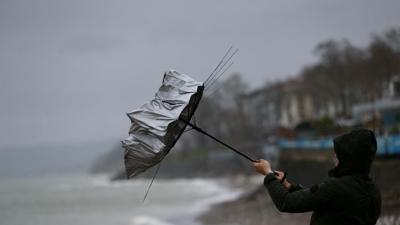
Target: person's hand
(279,176)
(262,166)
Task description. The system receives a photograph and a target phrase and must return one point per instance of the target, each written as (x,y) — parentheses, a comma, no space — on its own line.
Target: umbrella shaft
(217,140)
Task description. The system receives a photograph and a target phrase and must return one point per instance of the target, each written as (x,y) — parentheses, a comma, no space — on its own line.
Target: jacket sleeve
(295,187)
(303,200)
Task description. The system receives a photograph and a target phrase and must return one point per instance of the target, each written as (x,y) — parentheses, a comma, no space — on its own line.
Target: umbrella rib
(151,183)
(222,67)
(211,92)
(219,64)
(213,82)
(226,62)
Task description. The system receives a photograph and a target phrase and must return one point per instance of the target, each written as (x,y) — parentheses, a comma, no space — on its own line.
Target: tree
(338,66)
(384,53)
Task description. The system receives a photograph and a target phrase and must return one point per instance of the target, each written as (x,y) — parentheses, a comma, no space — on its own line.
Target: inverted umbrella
(158,124)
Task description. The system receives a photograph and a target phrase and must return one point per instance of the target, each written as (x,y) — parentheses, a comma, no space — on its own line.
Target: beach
(255,207)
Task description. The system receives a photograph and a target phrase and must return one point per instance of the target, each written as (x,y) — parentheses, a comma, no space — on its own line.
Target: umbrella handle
(217,140)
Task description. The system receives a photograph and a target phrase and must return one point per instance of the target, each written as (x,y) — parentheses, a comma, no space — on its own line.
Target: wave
(201,193)
(147,220)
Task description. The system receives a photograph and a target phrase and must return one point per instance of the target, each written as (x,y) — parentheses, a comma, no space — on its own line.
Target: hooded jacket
(347,196)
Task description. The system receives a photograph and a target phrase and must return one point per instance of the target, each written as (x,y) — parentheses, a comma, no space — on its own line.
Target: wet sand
(255,207)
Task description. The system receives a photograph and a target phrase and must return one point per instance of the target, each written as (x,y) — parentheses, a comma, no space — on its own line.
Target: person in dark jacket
(347,196)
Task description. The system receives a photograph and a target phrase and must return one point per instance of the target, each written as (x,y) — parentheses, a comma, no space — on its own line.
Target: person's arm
(281,176)
(295,187)
(304,200)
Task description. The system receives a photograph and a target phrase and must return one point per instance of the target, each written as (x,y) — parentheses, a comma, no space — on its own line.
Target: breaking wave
(146,220)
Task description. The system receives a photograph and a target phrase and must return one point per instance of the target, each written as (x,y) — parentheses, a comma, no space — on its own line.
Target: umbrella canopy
(158,124)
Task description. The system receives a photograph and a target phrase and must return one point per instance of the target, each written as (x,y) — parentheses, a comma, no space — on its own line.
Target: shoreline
(252,207)
(255,207)
(214,191)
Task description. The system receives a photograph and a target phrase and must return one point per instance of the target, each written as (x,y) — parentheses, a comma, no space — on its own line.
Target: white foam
(146,220)
(224,194)
(201,193)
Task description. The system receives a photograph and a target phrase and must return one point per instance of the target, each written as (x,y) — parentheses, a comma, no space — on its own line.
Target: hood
(355,151)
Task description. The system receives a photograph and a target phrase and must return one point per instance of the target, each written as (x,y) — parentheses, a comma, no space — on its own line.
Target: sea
(95,200)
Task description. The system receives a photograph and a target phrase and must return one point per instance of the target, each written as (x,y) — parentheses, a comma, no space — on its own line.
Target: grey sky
(70,69)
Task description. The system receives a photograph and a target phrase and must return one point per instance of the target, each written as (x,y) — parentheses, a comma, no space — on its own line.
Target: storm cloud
(69,70)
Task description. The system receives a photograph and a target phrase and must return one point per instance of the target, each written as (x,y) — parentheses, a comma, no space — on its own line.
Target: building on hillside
(283,104)
(384,113)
